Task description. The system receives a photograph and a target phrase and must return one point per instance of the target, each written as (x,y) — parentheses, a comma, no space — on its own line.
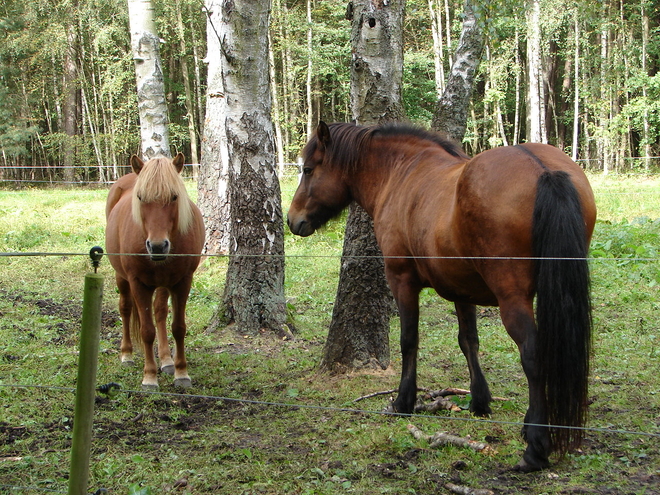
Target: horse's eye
(175,197)
(139,198)
(307,170)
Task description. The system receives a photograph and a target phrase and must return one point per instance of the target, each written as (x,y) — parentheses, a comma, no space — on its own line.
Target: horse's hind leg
(519,322)
(179,299)
(160,312)
(468,339)
(125,310)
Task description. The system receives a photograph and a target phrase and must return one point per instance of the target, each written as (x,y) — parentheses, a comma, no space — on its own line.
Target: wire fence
(274,404)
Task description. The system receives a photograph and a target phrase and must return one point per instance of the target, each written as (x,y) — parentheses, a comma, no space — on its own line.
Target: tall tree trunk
(254,289)
(438,46)
(152,106)
(646,126)
(534,81)
(308,86)
(518,81)
(452,109)
(187,85)
(359,332)
(212,195)
(279,142)
(576,90)
(603,141)
(70,106)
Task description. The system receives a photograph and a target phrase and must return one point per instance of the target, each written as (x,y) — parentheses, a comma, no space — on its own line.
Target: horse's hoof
(182,382)
(525,467)
(149,387)
(127,363)
(168,369)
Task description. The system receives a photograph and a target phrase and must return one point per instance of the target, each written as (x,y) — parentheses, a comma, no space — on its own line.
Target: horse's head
(160,203)
(323,190)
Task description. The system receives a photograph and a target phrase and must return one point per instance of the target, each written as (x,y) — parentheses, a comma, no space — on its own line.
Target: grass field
(285,430)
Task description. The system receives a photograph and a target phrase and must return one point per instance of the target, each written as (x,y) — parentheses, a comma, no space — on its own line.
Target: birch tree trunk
(152,106)
(604,114)
(254,289)
(212,195)
(308,85)
(438,46)
(534,81)
(359,332)
(646,125)
(452,109)
(187,85)
(70,105)
(576,90)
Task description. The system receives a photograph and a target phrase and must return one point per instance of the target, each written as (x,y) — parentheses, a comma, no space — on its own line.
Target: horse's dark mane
(397,129)
(354,137)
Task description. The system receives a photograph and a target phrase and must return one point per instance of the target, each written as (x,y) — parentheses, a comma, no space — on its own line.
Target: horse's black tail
(563,306)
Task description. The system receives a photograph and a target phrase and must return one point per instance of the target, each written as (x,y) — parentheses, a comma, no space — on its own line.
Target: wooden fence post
(86,382)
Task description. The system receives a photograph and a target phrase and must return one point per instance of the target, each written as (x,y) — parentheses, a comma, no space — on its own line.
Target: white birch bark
(452,109)
(534,80)
(212,182)
(576,96)
(438,46)
(247,183)
(152,106)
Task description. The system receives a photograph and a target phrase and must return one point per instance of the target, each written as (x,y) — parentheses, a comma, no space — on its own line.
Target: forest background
(68,104)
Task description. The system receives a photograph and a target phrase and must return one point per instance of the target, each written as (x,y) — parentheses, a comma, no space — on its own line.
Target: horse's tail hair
(563,306)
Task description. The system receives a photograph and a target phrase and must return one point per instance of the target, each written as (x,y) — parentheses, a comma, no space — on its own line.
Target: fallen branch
(441,438)
(385,392)
(439,404)
(445,392)
(466,490)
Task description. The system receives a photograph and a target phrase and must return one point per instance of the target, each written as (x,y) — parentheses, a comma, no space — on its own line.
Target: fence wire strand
(593,429)
(19,254)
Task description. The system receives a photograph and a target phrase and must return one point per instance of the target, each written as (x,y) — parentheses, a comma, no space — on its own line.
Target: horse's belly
(460,285)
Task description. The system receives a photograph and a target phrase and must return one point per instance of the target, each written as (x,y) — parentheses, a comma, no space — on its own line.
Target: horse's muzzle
(300,227)
(158,250)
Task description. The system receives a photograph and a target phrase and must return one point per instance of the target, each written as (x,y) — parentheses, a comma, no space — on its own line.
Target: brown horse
(491,231)
(150,218)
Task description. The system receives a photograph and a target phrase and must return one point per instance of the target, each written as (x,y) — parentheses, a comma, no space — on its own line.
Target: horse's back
(497,192)
(124,184)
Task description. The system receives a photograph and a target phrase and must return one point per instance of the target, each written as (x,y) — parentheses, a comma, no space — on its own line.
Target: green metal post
(86,384)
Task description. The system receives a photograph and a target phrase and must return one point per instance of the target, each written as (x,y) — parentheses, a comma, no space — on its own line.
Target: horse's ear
(323,135)
(136,164)
(178,162)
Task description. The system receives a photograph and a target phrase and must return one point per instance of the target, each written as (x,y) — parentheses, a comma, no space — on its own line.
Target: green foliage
(419,94)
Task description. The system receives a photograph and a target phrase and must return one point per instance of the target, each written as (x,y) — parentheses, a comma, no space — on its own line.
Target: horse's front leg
(125,310)
(179,299)
(143,296)
(407,299)
(468,339)
(160,312)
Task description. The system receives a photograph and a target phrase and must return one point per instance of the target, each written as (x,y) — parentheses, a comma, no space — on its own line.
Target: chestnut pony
(492,231)
(150,218)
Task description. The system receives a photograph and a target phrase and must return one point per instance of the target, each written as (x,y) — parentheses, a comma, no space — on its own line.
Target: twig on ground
(441,438)
(385,392)
(466,490)
(439,404)
(453,391)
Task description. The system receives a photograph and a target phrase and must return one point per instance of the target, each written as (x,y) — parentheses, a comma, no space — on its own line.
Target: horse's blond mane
(159,182)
